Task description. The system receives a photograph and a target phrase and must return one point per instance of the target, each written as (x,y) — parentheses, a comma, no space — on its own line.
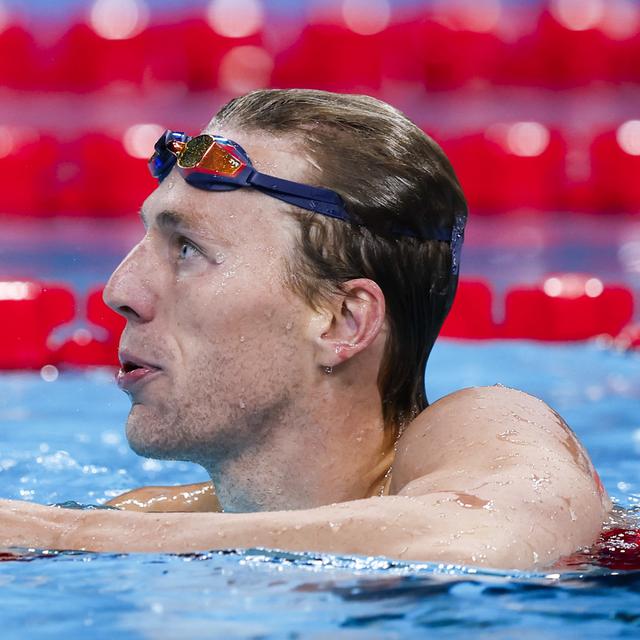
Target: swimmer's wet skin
(284,352)
(525,497)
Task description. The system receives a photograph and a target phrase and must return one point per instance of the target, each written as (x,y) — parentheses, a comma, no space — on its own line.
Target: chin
(150,434)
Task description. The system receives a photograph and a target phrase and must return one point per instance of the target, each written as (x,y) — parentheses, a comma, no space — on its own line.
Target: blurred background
(537,104)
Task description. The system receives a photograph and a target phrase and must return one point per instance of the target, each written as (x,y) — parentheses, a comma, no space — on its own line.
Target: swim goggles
(214,163)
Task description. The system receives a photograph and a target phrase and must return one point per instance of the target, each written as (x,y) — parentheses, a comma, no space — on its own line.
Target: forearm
(434,528)
(181,498)
(375,526)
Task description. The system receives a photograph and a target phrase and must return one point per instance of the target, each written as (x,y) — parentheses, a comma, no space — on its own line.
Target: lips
(135,371)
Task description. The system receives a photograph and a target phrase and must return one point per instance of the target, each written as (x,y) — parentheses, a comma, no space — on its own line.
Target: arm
(183,498)
(512,491)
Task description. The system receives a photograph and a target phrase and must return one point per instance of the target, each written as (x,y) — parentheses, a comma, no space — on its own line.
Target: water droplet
(243,404)
(242,338)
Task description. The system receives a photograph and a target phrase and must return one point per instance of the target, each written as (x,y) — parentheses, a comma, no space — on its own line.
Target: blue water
(63,440)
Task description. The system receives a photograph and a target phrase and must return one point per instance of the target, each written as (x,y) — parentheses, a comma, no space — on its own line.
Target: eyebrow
(167,220)
(170,221)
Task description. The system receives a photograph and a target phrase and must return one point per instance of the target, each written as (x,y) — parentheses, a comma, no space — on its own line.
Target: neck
(328,450)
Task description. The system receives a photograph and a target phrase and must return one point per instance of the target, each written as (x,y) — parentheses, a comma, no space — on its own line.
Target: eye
(186,249)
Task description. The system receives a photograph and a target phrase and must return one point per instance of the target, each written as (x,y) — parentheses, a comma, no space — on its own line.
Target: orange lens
(203,152)
(194,151)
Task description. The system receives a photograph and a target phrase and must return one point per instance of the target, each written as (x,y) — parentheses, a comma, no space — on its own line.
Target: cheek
(247,331)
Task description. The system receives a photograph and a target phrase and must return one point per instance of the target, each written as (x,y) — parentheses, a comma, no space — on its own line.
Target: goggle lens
(194,151)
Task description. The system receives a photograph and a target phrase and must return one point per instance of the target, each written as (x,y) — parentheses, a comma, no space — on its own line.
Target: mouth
(134,372)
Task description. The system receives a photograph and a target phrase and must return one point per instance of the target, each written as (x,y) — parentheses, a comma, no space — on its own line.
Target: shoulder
(475,415)
(500,472)
(491,430)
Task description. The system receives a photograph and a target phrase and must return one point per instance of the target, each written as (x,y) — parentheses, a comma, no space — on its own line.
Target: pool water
(63,440)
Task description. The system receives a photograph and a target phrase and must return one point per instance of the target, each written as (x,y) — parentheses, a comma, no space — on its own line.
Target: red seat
(567,307)
(29,311)
(497,175)
(98,344)
(452,58)
(615,173)
(471,313)
(205,49)
(19,59)
(556,56)
(625,55)
(186,52)
(82,61)
(96,176)
(333,57)
(409,52)
(28,170)
(99,314)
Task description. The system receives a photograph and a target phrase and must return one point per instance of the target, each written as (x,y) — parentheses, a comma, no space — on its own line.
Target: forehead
(282,156)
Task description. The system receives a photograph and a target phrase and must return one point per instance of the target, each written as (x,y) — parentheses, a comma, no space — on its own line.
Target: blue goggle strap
(315,199)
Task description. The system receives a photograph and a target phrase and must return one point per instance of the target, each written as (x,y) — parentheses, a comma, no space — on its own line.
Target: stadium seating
(428,59)
(509,168)
(29,312)
(19,59)
(557,57)
(97,177)
(97,343)
(615,177)
(28,171)
(567,307)
(471,314)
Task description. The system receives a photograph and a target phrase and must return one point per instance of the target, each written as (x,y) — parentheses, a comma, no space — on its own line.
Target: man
(279,320)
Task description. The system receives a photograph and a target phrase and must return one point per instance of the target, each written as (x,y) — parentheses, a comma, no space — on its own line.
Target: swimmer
(299,259)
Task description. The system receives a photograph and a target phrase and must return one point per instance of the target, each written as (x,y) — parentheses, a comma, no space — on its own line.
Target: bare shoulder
(502,477)
(494,432)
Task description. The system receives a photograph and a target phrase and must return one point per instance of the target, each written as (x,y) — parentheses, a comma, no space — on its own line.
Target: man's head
(388,173)
(283,296)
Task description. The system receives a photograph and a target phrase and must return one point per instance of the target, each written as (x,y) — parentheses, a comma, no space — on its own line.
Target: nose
(130,291)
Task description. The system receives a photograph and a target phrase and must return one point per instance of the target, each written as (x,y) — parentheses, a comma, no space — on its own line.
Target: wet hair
(388,172)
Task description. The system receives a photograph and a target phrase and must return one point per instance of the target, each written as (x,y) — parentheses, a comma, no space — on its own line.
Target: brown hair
(388,172)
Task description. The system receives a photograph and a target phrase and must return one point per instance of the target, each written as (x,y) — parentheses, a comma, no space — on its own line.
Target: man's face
(208,309)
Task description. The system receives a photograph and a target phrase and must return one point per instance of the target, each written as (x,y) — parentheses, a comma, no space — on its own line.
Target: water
(63,440)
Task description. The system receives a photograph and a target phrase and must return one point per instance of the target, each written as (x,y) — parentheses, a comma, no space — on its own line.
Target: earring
(328,370)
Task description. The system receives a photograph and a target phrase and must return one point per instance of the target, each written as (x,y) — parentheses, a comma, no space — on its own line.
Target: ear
(350,323)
